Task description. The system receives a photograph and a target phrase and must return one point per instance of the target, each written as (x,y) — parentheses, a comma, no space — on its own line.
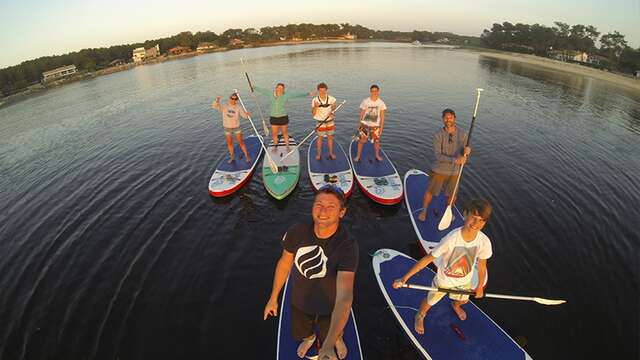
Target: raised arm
(340,314)
(279,278)
(216,104)
(292,94)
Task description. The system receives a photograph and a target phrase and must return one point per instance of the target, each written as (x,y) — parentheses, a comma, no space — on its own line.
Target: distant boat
(416,43)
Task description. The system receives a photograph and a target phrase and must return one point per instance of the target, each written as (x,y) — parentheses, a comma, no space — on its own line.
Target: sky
(30,28)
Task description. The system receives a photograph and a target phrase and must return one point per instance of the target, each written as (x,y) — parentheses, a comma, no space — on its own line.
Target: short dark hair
(322,86)
(480,207)
(448,111)
(374,86)
(280,84)
(335,191)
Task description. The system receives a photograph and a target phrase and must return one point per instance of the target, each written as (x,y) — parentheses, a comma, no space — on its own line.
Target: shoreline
(627,82)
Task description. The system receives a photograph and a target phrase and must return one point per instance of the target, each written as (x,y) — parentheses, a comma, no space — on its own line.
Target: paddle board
(230,177)
(379,180)
(282,183)
(325,171)
(288,346)
(446,337)
(415,185)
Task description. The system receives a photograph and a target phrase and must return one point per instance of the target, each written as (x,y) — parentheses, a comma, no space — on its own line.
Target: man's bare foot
(462,315)
(288,149)
(423,215)
(274,149)
(231,159)
(305,345)
(248,159)
(341,348)
(319,156)
(378,158)
(332,156)
(357,159)
(419,323)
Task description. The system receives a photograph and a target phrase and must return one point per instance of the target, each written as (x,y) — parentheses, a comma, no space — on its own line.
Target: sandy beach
(620,80)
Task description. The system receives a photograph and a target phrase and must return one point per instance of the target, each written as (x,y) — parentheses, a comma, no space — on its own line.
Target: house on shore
(178,50)
(58,73)
(206,46)
(236,42)
(139,54)
(349,36)
(152,52)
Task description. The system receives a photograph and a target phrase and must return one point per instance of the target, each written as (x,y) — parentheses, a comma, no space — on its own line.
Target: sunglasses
(233,98)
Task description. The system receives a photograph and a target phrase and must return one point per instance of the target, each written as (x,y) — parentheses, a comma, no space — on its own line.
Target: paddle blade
(548,301)
(273,166)
(445,222)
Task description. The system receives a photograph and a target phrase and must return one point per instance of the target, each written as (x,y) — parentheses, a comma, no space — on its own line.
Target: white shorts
(434,296)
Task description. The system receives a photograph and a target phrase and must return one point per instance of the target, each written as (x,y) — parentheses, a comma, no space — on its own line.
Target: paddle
(272,164)
(314,130)
(445,222)
(264,124)
(539,300)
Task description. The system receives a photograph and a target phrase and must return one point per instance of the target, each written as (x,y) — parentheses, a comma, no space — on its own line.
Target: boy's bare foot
(332,156)
(462,315)
(319,156)
(423,215)
(341,348)
(231,159)
(305,345)
(419,323)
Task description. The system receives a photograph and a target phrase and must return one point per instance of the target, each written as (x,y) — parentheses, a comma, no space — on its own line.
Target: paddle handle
(473,122)
(473,119)
(266,152)
(495,296)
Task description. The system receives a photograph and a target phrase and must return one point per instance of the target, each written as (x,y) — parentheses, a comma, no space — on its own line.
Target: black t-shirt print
(316,265)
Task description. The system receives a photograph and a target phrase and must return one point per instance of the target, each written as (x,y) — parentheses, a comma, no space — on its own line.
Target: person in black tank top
(321,260)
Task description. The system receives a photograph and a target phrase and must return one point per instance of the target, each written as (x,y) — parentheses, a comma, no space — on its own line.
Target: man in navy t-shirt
(324,260)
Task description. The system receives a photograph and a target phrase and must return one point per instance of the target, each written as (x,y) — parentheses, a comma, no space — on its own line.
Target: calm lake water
(113,249)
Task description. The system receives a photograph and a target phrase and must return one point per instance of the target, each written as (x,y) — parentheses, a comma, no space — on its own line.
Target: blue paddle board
(379,180)
(446,337)
(229,177)
(288,346)
(415,185)
(325,171)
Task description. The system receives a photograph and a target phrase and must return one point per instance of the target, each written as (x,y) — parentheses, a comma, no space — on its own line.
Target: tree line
(542,40)
(17,78)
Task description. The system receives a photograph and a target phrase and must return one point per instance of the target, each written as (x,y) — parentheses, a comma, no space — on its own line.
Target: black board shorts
(303,324)
(279,120)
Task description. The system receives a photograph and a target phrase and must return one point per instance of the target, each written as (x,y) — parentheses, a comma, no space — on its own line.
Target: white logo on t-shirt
(315,265)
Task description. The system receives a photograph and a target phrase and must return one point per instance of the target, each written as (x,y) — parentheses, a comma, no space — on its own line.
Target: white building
(139,54)
(58,73)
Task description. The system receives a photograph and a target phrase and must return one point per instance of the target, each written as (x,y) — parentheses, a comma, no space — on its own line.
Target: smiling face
(473,221)
(449,121)
(375,93)
(327,210)
(279,89)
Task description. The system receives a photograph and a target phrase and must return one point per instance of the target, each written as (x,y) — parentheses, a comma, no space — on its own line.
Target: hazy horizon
(59,27)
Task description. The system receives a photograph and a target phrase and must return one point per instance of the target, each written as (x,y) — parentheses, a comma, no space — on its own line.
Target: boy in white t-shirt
(371,122)
(322,108)
(456,257)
